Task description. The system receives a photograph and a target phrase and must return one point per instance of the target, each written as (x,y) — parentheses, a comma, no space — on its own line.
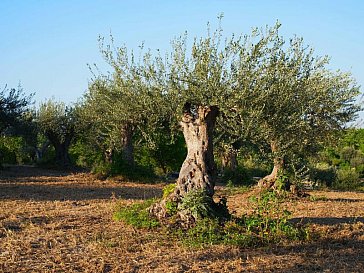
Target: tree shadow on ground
(22,172)
(343,200)
(328,221)
(326,255)
(75,192)
(32,183)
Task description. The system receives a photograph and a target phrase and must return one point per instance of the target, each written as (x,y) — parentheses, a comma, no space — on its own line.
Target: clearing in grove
(53,221)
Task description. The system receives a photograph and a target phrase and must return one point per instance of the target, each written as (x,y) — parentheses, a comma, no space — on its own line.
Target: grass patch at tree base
(267,224)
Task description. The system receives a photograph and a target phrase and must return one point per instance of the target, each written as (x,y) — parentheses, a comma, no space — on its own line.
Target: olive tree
(249,87)
(13,104)
(303,103)
(212,87)
(58,123)
(122,105)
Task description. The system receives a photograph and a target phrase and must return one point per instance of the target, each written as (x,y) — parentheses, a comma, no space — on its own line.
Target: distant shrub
(347,179)
(101,169)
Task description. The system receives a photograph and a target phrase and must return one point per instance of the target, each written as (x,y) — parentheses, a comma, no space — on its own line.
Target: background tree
(13,105)
(124,106)
(58,123)
(304,103)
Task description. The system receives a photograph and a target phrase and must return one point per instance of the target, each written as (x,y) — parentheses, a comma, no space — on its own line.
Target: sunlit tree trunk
(278,166)
(108,153)
(198,171)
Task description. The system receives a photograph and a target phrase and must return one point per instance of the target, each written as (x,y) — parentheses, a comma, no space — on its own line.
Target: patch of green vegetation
(269,221)
(266,225)
(232,189)
(361,188)
(172,208)
(237,177)
(137,215)
(347,179)
(318,198)
(168,190)
(200,205)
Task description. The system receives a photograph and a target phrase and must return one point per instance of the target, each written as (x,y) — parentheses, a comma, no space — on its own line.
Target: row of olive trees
(254,88)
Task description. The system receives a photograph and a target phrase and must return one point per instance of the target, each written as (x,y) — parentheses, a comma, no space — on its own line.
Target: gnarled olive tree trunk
(198,171)
(278,166)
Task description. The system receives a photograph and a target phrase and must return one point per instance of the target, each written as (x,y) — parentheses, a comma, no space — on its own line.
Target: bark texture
(198,171)
(278,166)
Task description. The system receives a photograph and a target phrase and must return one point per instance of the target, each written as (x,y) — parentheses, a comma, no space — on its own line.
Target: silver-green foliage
(56,120)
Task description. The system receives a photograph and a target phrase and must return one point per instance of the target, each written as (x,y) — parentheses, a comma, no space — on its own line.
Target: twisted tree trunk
(198,171)
(278,166)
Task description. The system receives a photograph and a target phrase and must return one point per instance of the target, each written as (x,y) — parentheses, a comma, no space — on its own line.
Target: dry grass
(59,222)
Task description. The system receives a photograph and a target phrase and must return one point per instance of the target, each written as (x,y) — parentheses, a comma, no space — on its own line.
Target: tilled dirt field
(60,222)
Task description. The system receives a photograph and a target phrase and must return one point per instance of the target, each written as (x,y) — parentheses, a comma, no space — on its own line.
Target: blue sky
(47,44)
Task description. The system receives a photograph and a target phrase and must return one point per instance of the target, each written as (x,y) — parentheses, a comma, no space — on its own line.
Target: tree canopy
(13,104)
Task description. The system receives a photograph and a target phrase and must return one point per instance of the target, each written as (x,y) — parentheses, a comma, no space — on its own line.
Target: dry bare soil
(53,221)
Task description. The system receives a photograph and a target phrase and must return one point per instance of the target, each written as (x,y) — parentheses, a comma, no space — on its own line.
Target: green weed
(137,215)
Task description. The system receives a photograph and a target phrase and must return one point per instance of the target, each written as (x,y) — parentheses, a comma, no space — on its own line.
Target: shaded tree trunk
(278,166)
(61,148)
(127,144)
(62,157)
(39,152)
(108,153)
(229,160)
